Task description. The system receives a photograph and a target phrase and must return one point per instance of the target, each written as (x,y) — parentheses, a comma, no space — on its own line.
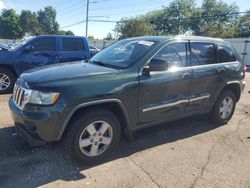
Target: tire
(219,115)
(6,77)
(79,130)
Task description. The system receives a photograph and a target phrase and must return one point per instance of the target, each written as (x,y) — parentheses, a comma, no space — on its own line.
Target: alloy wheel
(4,82)
(96,138)
(226,108)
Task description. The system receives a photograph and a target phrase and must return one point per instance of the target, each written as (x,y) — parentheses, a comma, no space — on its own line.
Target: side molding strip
(165,105)
(175,103)
(199,98)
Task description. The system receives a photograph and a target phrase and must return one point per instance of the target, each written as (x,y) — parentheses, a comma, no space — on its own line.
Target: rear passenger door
(205,76)
(72,49)
(227,63)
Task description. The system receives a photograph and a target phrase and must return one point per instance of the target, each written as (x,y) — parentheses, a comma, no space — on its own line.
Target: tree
(47,20)
(9,24)
(69,32)
(109,37)
(91,37)
(243,27)
(62,32)
(175,18)
(215,15)
(133,27)
(29,22)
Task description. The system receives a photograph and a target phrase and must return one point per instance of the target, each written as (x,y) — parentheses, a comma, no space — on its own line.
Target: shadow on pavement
(23,165)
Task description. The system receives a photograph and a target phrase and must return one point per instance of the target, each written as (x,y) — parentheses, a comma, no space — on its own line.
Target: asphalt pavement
(187,153)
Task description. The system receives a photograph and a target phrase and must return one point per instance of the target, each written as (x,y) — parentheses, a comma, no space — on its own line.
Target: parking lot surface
(188,153)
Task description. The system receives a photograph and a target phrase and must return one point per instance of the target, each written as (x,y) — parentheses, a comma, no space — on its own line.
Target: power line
(131,4)
(73,24)
(129,12)
(90,20)
(71,6)
(115,21)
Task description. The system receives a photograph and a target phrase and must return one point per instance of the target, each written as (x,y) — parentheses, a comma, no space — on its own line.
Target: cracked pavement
(188,153)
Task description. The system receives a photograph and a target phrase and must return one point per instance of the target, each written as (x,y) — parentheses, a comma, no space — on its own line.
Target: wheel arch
(235,87)
(114,105)
(9,68)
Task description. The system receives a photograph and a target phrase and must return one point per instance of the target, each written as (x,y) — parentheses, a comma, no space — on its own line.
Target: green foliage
(243,26)
(29,22)
(218,15)
(133,27)
(13,26)
(177,16)
(109,37)
(9,24)
(62,32)
(213,18)
(47,20)
(90,37)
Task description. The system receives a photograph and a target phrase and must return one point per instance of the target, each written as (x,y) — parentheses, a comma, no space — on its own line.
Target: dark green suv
(134,83)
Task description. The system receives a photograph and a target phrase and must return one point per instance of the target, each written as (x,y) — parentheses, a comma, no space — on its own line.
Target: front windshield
(21,43)
(123,53)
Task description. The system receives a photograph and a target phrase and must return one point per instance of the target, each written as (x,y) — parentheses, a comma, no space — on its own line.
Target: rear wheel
(224,107)
(7,81)
(93,136)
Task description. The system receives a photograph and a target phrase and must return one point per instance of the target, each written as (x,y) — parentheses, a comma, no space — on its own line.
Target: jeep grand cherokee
(134,83)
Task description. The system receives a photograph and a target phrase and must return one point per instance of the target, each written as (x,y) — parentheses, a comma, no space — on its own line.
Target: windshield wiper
(98,63)
(104,64)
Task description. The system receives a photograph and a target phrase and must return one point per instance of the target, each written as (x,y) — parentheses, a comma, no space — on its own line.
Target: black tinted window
(175,54)
(70,44)
(44,45)
(225,54)
(202,53)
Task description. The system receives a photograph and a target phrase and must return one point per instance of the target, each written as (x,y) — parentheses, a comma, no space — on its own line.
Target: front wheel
(93,136)
(224,107)
(7,81)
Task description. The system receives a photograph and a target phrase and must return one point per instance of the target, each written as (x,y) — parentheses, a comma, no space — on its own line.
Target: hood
(5,55)
(65,71)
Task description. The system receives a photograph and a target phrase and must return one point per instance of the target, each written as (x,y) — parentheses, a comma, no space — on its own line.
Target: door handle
(185,75)
(220,70)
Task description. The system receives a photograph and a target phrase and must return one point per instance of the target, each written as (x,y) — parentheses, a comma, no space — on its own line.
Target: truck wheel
(224,108)
(93,136)
(7,81)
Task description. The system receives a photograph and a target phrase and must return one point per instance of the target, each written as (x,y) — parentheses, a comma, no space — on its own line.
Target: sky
(71,12)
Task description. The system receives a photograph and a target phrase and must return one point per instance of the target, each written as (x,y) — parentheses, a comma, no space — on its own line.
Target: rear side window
(71,44)
(44,45)
(203,53)
(225,54)
(175,54)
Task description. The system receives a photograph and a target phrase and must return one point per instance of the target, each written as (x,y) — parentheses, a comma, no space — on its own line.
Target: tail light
(244,68)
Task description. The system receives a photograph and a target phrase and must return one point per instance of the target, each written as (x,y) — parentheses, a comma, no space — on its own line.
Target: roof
(41,36)
(192,38)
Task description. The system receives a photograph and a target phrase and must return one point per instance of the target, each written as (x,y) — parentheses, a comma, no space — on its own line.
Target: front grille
(18,95)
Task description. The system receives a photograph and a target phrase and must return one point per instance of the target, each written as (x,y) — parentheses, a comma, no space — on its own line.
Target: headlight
(45,98)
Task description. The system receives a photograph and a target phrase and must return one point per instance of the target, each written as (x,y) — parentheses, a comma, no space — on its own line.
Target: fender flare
(88,104)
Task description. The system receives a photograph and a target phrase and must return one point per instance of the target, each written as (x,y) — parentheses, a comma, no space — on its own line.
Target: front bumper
(31,137)
(38,124)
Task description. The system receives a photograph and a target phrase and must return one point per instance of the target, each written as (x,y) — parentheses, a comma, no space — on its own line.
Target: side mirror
(156,64)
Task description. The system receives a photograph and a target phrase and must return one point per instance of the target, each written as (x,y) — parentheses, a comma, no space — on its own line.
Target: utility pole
(87,18)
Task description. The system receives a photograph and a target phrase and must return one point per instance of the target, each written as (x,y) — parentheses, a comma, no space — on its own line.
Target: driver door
(38,53)
(165,94)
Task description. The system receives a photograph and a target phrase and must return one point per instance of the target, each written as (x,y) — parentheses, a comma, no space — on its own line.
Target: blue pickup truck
(39,51)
